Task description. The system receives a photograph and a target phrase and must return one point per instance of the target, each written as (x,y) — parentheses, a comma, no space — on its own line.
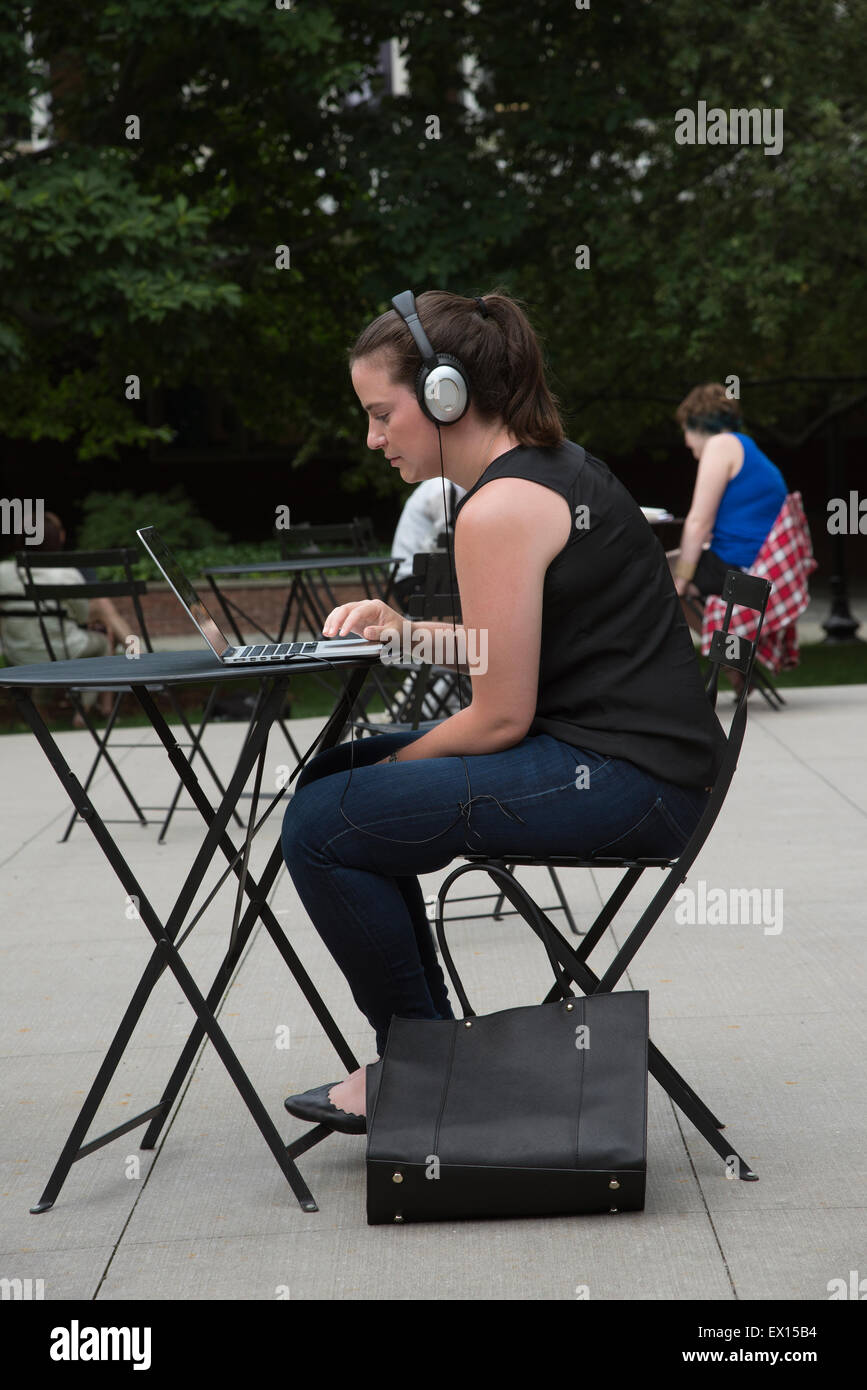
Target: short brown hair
(53,529)
(709,410)
(500,352)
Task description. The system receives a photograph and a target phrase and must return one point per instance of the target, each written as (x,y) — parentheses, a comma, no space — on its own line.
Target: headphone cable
(452,582)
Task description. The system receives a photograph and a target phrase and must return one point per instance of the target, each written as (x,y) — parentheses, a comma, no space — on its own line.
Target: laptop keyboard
(271,651)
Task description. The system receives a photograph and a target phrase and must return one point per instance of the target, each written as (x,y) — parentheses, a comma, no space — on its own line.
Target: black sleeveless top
(618,673)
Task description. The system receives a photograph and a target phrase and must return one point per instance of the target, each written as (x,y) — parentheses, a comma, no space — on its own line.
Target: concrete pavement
(766,1023)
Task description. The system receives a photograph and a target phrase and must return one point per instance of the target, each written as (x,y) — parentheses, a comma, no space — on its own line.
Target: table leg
(166,953)
(228,616)
(287,610)
(309,607)
(195,747)
(103,753)
(260,908)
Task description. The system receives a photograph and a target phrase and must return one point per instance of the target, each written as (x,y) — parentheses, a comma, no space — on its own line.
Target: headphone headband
(442,386)
(406,306)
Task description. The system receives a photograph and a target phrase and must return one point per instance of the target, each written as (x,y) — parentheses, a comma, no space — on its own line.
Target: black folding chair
(749,591)
(302,540)
(48,602)
(355,536)
(764,684)
(435,685)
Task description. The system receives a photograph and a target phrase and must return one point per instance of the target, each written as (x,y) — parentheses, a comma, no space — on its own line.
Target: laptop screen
(188,596)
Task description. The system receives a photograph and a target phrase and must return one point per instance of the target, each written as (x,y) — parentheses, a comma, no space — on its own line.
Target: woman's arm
(440,643)
(504,542)
(716,465)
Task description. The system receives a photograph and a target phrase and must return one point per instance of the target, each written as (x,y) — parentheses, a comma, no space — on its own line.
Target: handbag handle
(541,928)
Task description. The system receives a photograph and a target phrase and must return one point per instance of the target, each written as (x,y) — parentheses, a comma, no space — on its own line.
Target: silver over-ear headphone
(442,387)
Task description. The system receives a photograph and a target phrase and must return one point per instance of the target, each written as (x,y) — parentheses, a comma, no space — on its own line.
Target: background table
(304,571)
(315,599)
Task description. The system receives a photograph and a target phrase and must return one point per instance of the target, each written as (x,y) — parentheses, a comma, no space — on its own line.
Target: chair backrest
(433,568)
(435,602)
(48,598)
(355,536)
(726,649)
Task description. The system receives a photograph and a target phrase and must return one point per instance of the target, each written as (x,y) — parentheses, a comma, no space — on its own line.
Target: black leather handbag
(533,1111)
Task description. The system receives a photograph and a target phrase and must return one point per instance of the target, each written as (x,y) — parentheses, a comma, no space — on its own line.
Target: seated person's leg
(102,610)
(97,645)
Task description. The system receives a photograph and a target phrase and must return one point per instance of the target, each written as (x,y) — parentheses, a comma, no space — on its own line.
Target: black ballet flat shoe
(315,1106)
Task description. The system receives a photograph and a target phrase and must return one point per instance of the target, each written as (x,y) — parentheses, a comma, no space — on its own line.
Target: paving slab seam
(627,975)
(710,1220)
(174,1115)
(54,1250)
(840,1012)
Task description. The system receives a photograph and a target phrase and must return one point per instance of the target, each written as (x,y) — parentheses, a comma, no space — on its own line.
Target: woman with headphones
(588,732)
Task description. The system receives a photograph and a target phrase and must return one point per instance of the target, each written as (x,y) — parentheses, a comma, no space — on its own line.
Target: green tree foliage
(264,126)
(110,519)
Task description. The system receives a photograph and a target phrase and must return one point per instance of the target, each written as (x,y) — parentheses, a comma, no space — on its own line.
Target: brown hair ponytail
(500,351)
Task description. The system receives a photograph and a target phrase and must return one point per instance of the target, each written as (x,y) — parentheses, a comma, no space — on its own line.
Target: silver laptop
(216,639)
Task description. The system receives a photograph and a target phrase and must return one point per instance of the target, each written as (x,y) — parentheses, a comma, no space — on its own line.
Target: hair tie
(483,308)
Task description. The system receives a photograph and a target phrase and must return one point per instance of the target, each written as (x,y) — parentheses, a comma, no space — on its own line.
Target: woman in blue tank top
(737,497)
(588,730)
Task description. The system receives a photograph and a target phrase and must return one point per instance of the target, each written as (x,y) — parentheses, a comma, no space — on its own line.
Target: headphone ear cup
(449,372)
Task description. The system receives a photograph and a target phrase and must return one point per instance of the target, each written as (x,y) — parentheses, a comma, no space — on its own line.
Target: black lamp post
(840,625)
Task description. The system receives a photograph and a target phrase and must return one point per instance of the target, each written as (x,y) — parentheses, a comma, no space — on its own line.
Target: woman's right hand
(369,617)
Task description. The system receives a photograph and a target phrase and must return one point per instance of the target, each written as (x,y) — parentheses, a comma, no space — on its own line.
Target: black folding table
(314,597)
(308,577)
(138,675)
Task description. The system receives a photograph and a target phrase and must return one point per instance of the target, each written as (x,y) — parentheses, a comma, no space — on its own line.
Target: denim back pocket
(654,835)
(683,816)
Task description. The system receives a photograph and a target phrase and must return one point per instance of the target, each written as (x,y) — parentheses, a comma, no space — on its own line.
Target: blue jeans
(360,889)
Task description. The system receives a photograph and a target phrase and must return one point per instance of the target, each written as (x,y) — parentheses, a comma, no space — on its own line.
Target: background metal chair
(48,602)
(763,682)
(355,536)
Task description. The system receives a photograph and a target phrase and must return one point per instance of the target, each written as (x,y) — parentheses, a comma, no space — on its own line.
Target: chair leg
(497,913)
(195,748)
(767,688)
(574,969)
(289,739)
(102,753)
(695,1109)
(563,903)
